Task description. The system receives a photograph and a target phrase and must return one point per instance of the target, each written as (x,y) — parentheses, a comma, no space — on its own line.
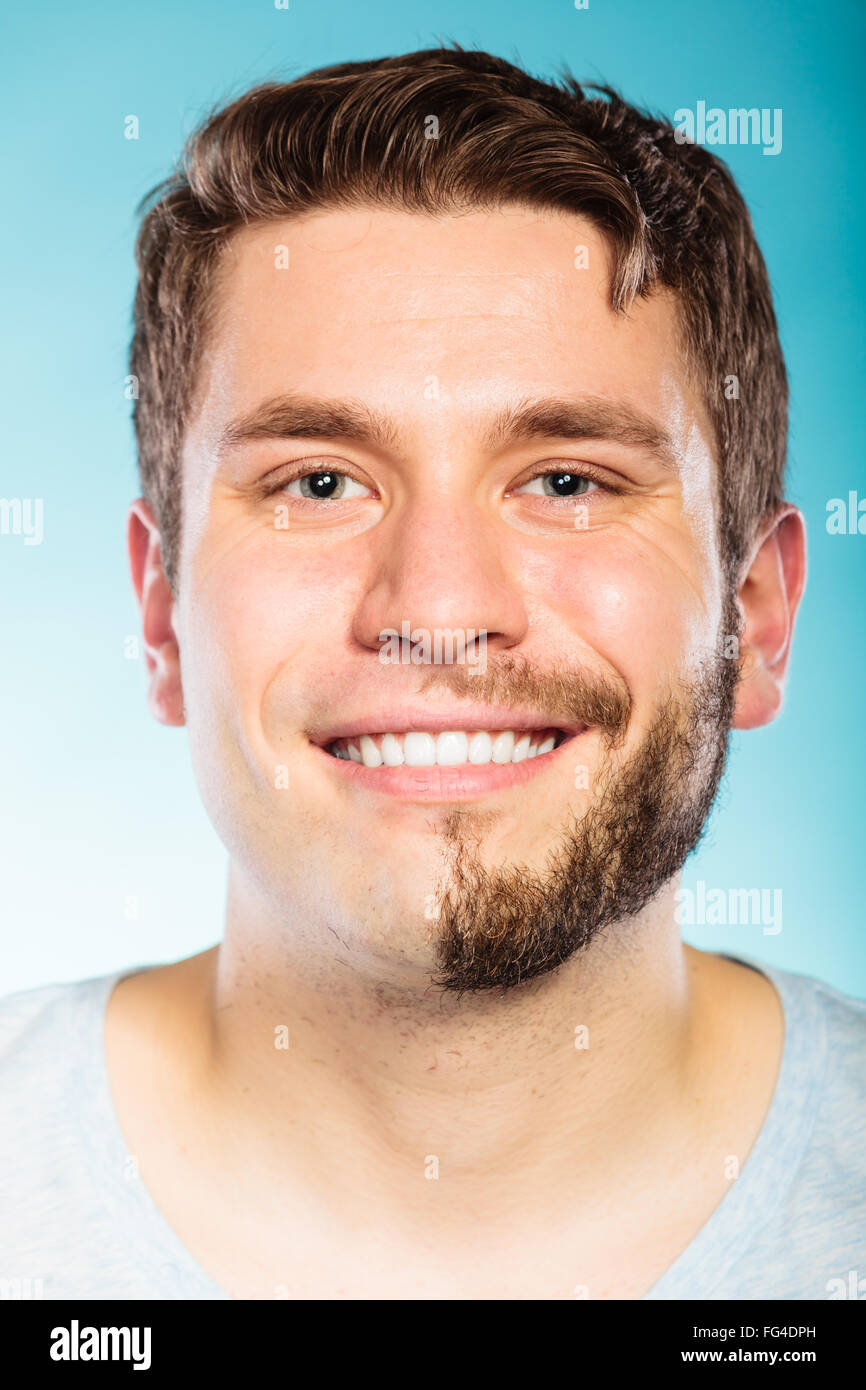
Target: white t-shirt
(77,1222)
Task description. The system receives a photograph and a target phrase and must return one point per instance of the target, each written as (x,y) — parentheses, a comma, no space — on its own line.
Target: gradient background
(108,859)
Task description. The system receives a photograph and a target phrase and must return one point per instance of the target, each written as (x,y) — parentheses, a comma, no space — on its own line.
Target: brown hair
(354,134)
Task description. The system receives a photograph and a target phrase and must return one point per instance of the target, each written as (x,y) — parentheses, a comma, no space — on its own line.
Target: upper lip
(467,717)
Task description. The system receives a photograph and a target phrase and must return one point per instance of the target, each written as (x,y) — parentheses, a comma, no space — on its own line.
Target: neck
(311,1048)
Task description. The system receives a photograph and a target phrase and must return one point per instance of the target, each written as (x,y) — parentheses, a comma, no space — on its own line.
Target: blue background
(108,859)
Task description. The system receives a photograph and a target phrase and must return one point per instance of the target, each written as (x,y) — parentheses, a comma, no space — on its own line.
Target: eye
(559,483)
(326,485)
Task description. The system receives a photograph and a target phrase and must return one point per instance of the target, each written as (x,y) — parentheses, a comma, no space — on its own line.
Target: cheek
(266,633)
(630,604)
(245,619)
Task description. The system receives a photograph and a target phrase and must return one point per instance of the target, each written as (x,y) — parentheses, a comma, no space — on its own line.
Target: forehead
(379,304)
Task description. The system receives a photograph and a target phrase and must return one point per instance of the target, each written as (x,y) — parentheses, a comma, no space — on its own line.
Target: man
(462,547)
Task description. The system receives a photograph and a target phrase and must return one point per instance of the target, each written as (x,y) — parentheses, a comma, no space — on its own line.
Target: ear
(156,603)
(769,596)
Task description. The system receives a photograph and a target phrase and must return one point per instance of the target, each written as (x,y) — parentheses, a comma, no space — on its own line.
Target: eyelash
(306,472)
(587,471)
(583,470)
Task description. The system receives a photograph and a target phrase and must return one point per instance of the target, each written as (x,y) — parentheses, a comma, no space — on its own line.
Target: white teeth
(521,749)
(481,747)
(392,753)
(451,748)
(370,755)
(503,747)
(419,750)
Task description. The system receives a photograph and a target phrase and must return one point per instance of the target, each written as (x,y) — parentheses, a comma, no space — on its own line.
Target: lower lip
(463,783)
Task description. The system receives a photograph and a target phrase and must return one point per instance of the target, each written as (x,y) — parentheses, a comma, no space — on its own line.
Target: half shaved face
(427,427)
(497,928)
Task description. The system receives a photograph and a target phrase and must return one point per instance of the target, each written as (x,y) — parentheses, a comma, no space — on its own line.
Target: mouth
(443,764)
(448,748)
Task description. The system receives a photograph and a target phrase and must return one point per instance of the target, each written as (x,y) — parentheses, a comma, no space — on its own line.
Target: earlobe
(769,596)
(156,604)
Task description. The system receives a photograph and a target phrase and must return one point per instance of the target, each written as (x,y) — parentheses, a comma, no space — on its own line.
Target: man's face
(575,561)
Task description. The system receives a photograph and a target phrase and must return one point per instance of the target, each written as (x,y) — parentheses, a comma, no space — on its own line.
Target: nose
(440,566)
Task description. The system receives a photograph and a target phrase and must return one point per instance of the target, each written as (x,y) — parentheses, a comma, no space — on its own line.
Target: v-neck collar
(702,1266)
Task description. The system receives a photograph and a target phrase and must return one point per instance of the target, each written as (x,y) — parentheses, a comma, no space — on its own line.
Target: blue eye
(326,486)
(559,484)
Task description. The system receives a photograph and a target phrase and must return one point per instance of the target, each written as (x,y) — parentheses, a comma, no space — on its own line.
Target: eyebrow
(293,416)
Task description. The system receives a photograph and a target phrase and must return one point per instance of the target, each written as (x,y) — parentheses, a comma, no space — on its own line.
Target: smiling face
(421,427)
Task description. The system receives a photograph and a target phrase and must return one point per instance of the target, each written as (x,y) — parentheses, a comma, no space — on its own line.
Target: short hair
(356,135)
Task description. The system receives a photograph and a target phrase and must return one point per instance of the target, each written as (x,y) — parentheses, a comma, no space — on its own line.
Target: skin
(562,1172)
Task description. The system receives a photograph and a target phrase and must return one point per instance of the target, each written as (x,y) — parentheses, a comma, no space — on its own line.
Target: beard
(497,928)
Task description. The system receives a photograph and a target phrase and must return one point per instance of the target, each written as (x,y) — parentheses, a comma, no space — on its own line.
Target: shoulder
(821,1087)
(50,1044)
(810,1003)
(58,1148)
(49,1014)
(825,1076)
(821,1014)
